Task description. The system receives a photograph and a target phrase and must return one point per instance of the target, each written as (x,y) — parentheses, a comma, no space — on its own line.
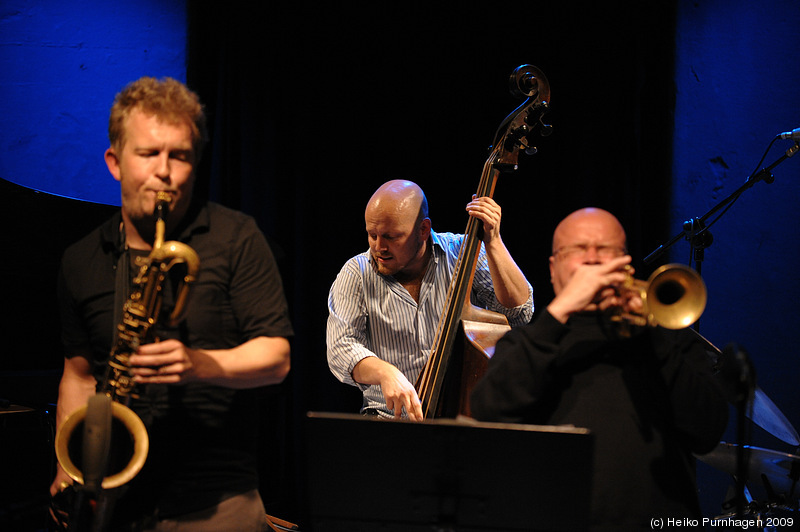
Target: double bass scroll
(466,335)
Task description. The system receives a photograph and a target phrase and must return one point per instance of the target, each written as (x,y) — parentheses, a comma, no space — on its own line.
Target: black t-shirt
(202,437)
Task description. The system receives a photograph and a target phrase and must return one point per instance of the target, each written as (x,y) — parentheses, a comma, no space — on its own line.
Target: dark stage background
(313,105)
(327,103)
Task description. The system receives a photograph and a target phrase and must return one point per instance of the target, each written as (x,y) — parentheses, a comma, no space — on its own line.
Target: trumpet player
(195,386)
(649,398)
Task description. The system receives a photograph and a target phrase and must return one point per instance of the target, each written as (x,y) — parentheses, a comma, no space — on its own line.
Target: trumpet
(673,297)
(89,434)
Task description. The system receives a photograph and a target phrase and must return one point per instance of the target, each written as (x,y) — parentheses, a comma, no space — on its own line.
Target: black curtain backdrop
(313,105)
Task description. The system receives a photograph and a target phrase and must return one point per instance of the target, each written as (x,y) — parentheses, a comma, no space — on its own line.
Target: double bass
(466,334)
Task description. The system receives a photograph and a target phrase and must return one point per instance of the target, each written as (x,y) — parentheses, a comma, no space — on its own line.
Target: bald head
(401,199)
(598,221)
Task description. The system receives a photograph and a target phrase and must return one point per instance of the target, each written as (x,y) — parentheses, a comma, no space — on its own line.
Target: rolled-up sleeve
(347,324)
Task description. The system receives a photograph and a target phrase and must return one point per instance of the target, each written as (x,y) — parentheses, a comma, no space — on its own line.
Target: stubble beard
(402,275)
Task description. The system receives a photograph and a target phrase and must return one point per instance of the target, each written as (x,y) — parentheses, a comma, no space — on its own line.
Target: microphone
(793,134)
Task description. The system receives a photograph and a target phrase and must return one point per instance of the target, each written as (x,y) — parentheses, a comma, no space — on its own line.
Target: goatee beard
(146,227)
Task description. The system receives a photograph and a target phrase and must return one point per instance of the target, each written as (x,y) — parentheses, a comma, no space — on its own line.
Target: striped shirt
(370,314)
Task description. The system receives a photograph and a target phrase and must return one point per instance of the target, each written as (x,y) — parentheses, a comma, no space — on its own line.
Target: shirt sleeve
(86,298)
(346,334)
(74,336)
(256,288)
(483,291)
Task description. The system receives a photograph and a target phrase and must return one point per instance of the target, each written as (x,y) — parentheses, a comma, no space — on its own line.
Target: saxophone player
(195,385)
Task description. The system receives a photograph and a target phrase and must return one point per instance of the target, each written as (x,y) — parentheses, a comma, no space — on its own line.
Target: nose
(380,243)
(591,256)
(163,167)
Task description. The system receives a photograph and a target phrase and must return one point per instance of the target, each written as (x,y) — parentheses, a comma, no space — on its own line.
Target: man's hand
(397,390)
(400,393)
(591,287)
(488,211)
(61,481)
(167,362)
(510,285)
(61,500)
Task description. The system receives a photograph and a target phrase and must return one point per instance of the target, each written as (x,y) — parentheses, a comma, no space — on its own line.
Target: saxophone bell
(120,444)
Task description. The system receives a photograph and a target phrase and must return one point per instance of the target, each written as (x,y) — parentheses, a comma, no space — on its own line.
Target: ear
(112,161)
(552,266)
(425,229)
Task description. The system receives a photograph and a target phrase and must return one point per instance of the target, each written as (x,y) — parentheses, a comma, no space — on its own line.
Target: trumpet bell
(676,296)
(129,441)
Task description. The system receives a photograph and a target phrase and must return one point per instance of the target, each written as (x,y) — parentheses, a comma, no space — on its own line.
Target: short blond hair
(168,99)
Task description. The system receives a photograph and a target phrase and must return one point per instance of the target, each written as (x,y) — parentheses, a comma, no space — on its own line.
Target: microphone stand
(745,390)
(695,230)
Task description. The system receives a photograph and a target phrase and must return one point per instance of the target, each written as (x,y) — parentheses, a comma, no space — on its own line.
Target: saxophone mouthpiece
(163,198)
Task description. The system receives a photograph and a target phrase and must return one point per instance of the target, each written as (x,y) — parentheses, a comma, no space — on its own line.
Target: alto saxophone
(140,314)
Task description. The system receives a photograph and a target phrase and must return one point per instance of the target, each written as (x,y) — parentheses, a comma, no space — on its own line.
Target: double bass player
(385,303)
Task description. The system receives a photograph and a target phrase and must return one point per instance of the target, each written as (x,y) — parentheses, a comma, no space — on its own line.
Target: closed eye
(181,155)
(373,236)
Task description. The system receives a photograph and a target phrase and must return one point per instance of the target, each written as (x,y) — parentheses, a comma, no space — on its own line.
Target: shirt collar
(197,220)
(437,247)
